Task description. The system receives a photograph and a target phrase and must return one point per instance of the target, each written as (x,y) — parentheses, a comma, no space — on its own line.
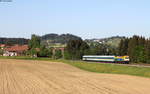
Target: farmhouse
(16,50)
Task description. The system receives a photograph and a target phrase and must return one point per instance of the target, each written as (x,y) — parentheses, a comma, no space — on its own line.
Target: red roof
(17,48)
(2,45)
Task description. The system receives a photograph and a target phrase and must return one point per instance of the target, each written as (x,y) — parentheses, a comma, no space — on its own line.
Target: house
(16,50)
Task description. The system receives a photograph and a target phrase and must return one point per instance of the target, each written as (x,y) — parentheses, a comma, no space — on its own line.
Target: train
(107,59)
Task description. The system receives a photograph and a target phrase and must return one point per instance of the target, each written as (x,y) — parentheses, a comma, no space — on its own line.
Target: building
(16,50)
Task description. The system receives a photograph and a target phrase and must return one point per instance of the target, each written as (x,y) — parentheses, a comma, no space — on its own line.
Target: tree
(34,43)
(147,51)
(12,41)
(133,43)
(123,47)
(120,48)
(111,51)
(1,52)
(33,52)
(137,49)
(96,48)
(141,41)
(44,52)
(139,53)
(75,49)
(58,54)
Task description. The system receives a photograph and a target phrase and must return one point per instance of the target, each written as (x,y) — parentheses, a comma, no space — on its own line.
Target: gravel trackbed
(44,77)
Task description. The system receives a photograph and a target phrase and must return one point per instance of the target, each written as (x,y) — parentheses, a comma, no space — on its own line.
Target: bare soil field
(43,77)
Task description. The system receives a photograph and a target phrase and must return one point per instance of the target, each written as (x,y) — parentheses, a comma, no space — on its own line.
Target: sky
(84,18)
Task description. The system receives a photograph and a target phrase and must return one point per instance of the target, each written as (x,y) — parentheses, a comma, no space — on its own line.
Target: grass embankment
(111,68)
(97,67)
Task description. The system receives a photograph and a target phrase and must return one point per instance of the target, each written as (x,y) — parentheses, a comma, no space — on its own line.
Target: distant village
(15,50)
(19,50)
(20,47)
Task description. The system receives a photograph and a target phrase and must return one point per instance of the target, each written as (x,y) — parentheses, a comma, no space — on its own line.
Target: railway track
(132,65)
(135,65)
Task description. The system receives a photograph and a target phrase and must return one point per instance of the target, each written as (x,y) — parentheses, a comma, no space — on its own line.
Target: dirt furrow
(43,77)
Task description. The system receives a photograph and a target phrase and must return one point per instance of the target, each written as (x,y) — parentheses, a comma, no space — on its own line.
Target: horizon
(87,19)
(77,36)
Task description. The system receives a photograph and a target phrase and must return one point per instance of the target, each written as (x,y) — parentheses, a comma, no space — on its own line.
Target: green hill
(111,41)
(55,40)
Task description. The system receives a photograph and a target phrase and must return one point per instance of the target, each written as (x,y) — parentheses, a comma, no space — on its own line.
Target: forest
(137,47)
(12,41)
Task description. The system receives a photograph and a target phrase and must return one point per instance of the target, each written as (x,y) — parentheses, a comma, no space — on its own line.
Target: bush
(58,54)
(44,52)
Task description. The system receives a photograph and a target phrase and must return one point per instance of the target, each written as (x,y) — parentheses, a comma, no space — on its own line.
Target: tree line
(12,41)
(36,49)
(77,48)
(138,48)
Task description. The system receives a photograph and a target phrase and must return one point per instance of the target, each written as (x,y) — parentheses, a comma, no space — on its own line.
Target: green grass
(112,68)
(25,58)
(98,67)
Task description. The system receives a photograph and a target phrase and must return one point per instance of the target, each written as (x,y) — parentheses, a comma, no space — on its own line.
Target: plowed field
(43,77)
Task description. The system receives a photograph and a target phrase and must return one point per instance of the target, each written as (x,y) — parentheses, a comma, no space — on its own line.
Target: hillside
(12,41)
(111,41)
(55,40)
(51,40)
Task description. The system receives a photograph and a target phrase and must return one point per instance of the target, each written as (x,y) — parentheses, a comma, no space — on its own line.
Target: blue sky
(85,18)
